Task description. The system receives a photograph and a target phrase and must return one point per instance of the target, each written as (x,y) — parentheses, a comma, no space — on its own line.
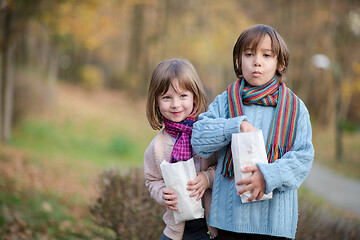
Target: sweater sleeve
(153,177)
(213,130)
(291,170)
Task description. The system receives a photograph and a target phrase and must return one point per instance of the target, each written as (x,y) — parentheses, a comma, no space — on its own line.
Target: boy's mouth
(256,73)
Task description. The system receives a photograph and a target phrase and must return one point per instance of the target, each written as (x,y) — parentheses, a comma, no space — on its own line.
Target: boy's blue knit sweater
(278,216)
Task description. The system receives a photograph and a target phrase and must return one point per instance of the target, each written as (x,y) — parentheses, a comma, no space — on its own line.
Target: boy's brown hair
(251,37)
(163,77)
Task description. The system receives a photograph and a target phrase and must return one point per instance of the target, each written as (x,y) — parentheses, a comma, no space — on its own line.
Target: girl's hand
(255,184)
(198,186)
(247,127)
(170,199)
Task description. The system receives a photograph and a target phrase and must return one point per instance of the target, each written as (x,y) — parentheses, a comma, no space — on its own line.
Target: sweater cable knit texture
(278,216)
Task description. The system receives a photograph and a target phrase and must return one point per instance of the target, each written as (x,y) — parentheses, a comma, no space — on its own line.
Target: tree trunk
(338,113)
(135,41)
(53,73)
(6,81)
(9,93)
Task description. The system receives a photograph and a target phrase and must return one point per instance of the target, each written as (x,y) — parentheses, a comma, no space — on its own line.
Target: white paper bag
(176,177)
(247,149)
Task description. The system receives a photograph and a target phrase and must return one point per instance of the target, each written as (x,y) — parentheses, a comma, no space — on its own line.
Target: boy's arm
(213,130)
(291,170)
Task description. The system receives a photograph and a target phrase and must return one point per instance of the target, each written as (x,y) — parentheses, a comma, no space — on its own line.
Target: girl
(176,97)
(257,100)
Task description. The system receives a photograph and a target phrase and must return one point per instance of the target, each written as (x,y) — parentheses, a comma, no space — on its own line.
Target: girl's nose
(175,103)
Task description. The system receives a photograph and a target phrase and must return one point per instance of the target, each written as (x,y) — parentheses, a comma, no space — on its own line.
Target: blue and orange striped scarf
(283,126)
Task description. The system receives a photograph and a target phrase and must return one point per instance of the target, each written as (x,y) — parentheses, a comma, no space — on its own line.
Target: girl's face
(259,65)
(176,105)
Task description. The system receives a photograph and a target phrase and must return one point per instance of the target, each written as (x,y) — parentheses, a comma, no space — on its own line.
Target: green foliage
(350,126)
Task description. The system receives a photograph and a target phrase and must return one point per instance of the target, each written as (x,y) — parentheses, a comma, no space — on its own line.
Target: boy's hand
(170,199)
(255,183)
(198,186)
(247,127)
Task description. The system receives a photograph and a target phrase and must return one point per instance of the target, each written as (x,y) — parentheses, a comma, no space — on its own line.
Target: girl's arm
(291,170)
(155,182)
(213,130)
(153,177)
(204,179)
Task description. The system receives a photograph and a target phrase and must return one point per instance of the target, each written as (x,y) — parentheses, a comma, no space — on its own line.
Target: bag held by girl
(176,176)
(247,149)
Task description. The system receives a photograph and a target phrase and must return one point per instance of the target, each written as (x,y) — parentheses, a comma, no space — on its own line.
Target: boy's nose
(257,62)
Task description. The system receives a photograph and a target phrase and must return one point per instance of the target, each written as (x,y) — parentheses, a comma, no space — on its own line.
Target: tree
(6,69)
(13,16)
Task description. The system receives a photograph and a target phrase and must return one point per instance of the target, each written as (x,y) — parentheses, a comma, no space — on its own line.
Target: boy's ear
(281,68)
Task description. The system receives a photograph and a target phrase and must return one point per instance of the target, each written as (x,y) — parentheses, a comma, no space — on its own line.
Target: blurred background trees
(117,43)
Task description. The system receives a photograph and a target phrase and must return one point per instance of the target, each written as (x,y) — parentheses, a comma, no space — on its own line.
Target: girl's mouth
(176,113)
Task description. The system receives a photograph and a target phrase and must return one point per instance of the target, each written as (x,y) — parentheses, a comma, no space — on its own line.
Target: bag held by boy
(176,176)
(247,149)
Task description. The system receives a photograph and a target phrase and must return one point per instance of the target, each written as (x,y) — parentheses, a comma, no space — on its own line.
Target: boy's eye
(183,95)
(267,55)
(248,54)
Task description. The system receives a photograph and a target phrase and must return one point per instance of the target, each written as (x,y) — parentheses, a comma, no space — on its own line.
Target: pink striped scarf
(283,126)
(181,131)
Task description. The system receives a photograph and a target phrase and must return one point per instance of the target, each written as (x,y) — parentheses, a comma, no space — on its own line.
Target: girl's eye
(248,54)
(166,97)
(183,95)
(267,55)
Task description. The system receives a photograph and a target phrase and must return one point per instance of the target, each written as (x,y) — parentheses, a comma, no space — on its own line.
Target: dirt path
(334,188)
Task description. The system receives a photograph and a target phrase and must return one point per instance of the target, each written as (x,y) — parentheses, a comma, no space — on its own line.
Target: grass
(88,127)
(75,142)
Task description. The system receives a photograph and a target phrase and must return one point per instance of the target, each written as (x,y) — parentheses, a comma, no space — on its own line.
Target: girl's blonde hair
(251,37)
(163,76)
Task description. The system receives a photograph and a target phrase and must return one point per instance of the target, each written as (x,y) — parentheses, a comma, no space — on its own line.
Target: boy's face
(259,65)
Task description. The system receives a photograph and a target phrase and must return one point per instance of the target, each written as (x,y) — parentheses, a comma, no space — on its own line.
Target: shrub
(125,207)
(317,224)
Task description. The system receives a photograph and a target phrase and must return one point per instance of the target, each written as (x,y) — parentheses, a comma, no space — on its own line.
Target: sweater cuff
(232,125)
(207,177)
(272,176)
